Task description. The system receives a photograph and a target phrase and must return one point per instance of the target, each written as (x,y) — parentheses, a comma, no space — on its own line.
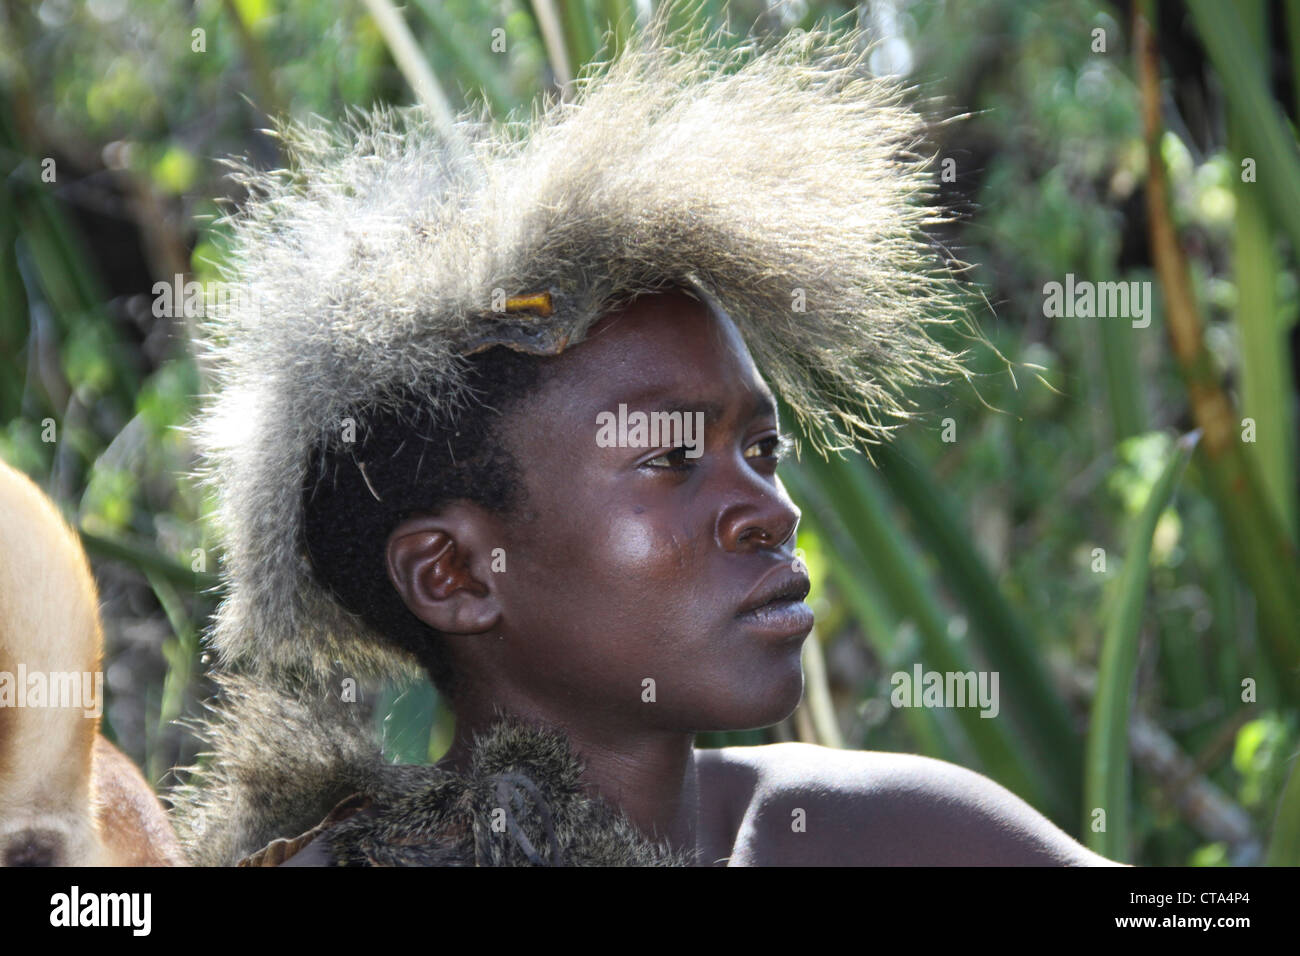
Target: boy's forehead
(667,327)
(664,346)
(669,304)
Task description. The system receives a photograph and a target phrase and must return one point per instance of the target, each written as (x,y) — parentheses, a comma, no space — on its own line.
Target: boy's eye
(774,446)
(675,459)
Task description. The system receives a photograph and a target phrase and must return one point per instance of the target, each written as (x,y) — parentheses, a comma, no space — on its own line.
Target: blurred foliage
(993,534)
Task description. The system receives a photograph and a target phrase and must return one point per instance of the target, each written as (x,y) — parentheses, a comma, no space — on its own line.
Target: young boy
(501,406)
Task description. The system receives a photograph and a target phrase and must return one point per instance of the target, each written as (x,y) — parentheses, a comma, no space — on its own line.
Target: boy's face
(632,563)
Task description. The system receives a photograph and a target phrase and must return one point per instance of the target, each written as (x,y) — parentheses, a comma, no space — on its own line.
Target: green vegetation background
(1035,524)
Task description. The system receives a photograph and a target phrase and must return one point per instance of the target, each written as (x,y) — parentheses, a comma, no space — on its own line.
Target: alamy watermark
(194,299)
(651,430)
(129,910)
(922,688)
(84,689)
(1098,300)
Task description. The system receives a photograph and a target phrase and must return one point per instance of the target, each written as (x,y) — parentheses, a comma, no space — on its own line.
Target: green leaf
(1263,130)
(175,170)
(1106,770)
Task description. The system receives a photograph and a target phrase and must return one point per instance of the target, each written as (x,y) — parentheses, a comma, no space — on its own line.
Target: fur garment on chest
(279,762)
(521,803)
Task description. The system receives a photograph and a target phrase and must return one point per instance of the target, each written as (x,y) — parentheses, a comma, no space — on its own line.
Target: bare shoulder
(801,804)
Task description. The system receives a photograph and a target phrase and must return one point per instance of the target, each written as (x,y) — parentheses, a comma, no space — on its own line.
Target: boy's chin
(758,708)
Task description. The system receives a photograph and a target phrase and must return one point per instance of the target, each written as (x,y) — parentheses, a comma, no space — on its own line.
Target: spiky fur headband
(779,182)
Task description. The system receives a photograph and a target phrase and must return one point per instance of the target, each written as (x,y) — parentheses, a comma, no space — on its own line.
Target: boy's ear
(441,566)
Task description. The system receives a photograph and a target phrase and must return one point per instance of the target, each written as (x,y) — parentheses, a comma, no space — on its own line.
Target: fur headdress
(779,182)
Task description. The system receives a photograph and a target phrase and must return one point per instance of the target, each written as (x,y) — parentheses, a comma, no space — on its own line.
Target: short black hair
(407,460)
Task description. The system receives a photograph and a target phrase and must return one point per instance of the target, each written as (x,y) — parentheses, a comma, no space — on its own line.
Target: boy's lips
(782,584)
(776,605)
